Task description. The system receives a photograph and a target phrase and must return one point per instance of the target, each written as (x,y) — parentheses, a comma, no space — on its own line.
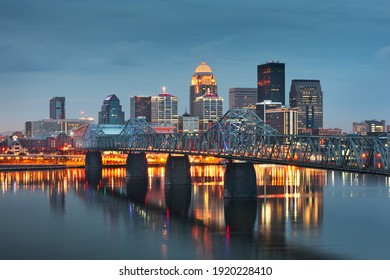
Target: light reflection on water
(299,213)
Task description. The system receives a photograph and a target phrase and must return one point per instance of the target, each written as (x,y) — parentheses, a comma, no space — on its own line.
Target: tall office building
(242,98)
(111,112)
(285,120)
(202,82)
(57,108)
(164,109)
(306,96)
(209,109)
(270,84)
(141,106)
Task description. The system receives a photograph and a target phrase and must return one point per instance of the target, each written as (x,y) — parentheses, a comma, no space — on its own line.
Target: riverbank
(11,167)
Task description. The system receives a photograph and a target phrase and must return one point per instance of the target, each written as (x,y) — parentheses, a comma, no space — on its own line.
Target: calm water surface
(299,214)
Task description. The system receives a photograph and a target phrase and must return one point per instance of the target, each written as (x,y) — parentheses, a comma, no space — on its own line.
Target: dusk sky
(87,49)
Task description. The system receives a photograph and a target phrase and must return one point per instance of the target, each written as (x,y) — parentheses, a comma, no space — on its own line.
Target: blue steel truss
(242,135)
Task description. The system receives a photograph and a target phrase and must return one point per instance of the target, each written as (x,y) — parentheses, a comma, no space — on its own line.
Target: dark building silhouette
(111,112)
(141,106)
(270,84)
(57,108)
(244,98)
(306,96)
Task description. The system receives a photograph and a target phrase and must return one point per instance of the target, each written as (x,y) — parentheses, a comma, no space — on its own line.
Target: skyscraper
(111,112)
(243,98)
(270,84)
(57,108)
(209,109)
(141,106)
(306,96)
(164,109)
(202,82)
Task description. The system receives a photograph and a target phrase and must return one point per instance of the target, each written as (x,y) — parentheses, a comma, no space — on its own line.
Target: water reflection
(137,188)
(240,215)
(196,217)
(178,200)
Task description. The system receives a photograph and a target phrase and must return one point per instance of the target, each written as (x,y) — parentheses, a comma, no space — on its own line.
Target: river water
(299,214)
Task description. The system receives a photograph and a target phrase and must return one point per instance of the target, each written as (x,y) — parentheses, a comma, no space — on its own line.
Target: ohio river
(299,214)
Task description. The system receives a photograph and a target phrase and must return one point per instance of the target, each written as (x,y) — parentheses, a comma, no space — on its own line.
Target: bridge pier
(240,180)
(137,177)
(137,165)
(93,159)
(93,168)
(177,170)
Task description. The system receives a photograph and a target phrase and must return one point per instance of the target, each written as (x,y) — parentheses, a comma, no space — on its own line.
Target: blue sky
(87,49)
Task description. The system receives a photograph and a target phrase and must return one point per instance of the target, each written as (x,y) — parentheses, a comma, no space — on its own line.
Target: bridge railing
(338,152)
(242,135)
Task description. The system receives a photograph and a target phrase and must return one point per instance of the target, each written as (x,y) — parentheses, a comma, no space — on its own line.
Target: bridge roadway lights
(240,180)
(177,170)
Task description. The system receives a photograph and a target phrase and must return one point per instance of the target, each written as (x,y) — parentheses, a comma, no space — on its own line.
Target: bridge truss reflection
(290,202)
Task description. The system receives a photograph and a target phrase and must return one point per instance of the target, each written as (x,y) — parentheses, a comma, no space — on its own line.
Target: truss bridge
(241,135)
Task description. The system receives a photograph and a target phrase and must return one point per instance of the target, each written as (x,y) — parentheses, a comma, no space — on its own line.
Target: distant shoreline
(22,167)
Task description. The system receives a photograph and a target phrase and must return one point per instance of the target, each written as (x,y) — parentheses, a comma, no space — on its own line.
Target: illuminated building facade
(57,108)
(321,131)
(141,106)
(270,83)
(202,82)
(243,98)
(306,96)
(111,112)
(285,120)
(188,124)
(164,109)
(209,109)
(369,127)
(52,128)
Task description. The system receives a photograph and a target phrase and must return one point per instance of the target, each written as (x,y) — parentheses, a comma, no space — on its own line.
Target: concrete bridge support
(240,180)
(93,168)
(137,177)
(93,159)
(137,165)
(177,170)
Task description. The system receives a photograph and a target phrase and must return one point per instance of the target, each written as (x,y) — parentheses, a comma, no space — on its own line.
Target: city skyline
(130,49)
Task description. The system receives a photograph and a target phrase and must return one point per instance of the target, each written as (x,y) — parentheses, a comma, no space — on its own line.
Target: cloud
(16,58)
(130,53)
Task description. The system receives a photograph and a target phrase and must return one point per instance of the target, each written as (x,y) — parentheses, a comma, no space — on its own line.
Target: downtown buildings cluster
(302,114)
